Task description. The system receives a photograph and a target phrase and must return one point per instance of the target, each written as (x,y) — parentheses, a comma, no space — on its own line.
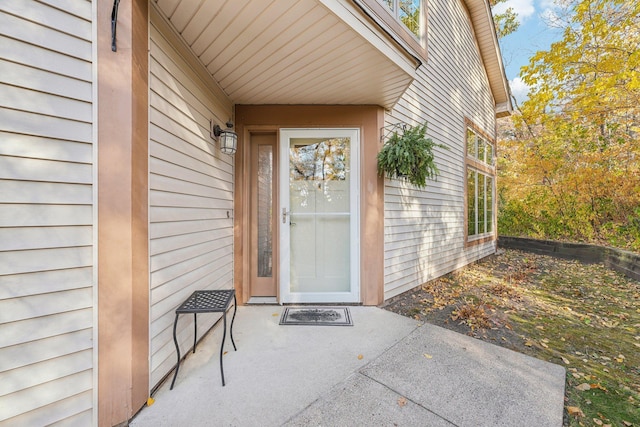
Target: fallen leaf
(627,423)
(150,401)
(276,314)
(620,358)
(544,345)
(360,357)
(597,421)
(575,411)
(566,361)
(402,401)
(428,356)
(528,343)
(583,387)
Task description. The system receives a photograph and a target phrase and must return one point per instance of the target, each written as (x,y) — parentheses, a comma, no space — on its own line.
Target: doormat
(321,316)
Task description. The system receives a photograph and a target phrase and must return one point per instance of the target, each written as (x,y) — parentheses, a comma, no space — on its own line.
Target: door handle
(284,217)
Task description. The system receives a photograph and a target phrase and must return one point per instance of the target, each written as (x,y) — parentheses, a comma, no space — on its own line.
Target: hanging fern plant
(409,156)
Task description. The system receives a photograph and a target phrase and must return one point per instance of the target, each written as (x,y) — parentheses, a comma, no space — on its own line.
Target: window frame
(481,168)
(387,16)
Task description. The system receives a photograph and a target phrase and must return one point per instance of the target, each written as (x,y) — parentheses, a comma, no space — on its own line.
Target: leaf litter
(584,317)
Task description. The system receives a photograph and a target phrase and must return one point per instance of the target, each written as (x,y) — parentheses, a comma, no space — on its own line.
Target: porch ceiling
(292,52)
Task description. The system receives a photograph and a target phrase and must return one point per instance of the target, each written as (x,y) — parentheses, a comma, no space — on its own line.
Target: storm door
(318,217)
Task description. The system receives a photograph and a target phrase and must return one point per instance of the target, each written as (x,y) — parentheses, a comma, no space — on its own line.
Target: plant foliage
(505,22)
(569,167)
(409,156)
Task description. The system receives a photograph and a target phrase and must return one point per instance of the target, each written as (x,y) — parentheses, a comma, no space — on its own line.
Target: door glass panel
(320,218)
(265,212)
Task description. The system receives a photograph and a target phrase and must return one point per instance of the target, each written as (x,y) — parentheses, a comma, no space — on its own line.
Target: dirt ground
(469,302)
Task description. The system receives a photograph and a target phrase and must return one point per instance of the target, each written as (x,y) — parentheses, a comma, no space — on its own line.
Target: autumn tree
(570,165)
(505,22)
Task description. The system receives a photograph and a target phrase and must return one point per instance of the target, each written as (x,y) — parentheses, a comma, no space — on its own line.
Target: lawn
(583,317)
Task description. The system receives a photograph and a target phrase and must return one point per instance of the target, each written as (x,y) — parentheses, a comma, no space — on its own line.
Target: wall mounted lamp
(227,139)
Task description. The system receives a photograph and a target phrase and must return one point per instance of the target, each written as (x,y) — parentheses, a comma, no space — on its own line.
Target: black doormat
(322,316)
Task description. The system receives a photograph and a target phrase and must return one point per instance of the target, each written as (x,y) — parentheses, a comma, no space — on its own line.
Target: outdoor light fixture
(227,139)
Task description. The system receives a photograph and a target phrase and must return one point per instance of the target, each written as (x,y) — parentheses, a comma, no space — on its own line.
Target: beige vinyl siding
(191,195)
(46,213)
(424,229)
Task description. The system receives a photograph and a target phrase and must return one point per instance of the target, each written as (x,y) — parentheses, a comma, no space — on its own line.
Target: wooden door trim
(242,211)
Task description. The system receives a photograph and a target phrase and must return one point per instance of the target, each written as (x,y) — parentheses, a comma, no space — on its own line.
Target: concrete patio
(385,370)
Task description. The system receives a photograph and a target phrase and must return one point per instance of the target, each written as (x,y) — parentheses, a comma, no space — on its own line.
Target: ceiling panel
(281,52)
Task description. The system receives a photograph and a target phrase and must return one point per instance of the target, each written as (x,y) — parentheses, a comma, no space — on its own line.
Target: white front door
(319,215)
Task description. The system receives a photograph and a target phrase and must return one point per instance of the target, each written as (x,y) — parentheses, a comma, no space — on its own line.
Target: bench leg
(224,335)
(195,331)
(235,307)
(175,340)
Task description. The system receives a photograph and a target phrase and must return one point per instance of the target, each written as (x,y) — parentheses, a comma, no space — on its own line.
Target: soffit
(292,52)
(490,50)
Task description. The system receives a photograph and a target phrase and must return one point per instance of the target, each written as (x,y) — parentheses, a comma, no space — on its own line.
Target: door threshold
(263,300)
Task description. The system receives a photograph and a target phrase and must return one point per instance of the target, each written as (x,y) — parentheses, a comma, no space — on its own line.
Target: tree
(571,164)
(506,22)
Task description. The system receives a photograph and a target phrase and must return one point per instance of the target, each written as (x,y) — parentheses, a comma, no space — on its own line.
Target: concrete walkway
(385,370)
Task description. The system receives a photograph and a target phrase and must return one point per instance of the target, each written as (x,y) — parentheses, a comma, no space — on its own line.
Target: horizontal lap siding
(191,199)
(46,213)
(424,229)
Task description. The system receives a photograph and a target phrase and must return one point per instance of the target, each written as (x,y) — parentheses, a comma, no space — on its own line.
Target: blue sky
(535,33)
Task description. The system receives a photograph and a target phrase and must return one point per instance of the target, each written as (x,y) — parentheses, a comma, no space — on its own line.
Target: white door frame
(286,296)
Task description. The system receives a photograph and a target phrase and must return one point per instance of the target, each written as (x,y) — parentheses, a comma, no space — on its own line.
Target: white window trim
(473,163)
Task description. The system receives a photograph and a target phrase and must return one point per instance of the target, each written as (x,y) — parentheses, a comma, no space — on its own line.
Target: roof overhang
(292,52)
(485,32)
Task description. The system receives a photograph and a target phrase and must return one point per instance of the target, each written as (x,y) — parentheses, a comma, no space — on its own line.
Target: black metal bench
(217,301)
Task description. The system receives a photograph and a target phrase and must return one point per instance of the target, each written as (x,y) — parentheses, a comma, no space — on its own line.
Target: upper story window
(406,19)
(407,12)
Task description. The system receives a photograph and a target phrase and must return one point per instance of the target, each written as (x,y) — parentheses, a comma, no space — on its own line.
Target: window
(480,186)
(480,203)
(405,19)
(407,12)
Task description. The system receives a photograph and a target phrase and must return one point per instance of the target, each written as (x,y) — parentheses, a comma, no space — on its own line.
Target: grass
(584,317)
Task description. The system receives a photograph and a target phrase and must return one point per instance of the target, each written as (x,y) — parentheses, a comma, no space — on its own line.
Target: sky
(535,33)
